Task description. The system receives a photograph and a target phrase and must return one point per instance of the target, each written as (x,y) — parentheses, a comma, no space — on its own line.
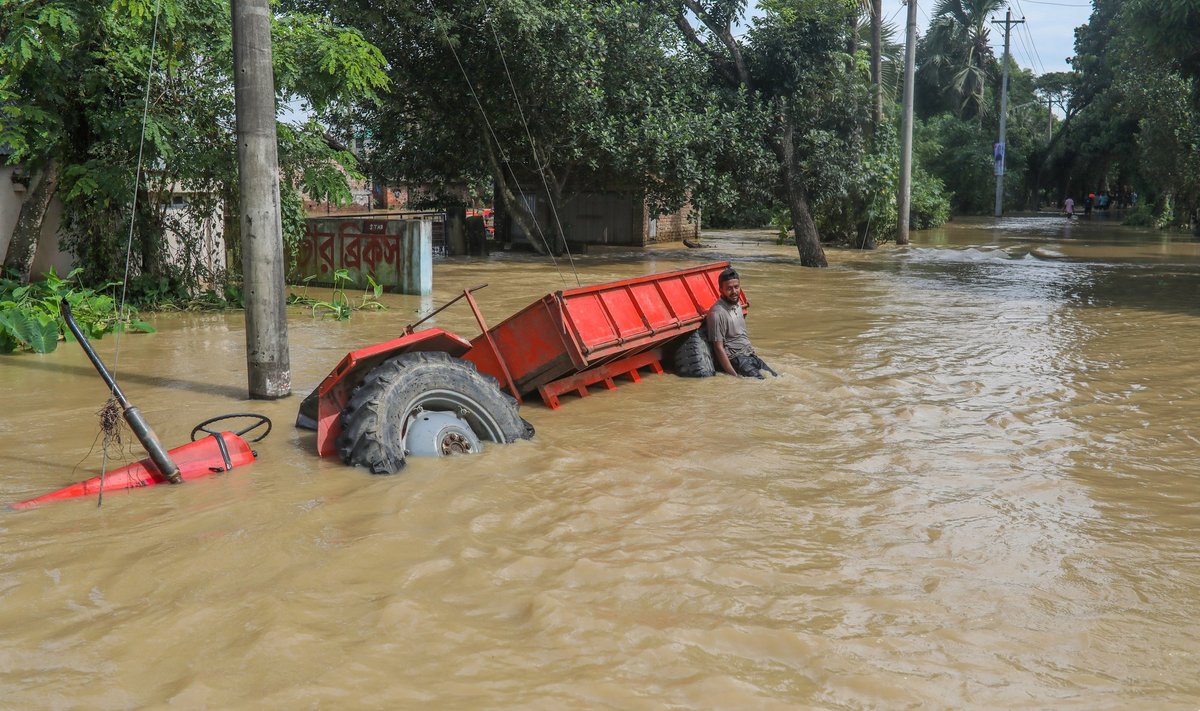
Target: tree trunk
(808,239)
(877,61)
(1062,131)
(152,238)
(23,247)
(515,207)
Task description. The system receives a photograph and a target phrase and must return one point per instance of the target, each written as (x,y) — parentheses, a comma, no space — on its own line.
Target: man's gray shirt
(726,323)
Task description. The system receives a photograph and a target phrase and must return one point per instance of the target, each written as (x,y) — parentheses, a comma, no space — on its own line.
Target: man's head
(729,285)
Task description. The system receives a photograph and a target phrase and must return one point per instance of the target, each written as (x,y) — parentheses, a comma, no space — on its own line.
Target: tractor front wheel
(425,403)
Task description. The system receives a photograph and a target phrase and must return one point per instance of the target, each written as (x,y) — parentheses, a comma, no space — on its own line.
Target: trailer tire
(693,357)
(375,421)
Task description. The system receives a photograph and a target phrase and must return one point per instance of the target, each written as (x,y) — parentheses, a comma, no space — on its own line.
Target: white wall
(10,207)
(206,233)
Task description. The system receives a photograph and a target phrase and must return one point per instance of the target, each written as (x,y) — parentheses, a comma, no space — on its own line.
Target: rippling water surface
(974,486)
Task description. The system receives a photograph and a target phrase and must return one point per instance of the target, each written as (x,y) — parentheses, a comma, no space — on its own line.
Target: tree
(793,69)
(533,95)
(73,78)
(1170,31)
(956,57)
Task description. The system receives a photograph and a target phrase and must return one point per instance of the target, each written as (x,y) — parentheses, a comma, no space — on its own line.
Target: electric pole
(906,131)
(268,365)
(999,151)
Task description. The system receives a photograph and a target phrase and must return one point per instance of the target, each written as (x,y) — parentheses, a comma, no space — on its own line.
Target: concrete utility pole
(910,61)
(268,364)
(1000,148)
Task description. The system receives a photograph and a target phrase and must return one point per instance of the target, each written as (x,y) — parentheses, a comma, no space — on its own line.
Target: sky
(1043,43)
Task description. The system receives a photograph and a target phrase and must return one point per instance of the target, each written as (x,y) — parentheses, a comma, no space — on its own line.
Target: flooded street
(975,485)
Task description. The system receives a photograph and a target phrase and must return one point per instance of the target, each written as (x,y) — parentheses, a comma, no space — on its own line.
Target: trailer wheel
(443,404)
(693,357)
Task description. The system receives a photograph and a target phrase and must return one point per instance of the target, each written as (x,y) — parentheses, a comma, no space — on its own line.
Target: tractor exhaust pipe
(166,466)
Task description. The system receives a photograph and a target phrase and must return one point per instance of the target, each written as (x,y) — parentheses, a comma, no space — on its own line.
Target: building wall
(206,242)
(614,217)
(674,226)
(396,253)
(10,207)
(200,239)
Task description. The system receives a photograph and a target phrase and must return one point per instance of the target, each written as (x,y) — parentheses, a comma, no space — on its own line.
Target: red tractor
(432,392)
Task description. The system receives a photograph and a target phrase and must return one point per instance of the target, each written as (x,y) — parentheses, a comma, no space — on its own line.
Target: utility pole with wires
(904,199)
(268,363)
(999,151)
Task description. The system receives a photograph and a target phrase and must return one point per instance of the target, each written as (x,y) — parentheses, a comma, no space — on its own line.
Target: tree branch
(725,33)
(719,60)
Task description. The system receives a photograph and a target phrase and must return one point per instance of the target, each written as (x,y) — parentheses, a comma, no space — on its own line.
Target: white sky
(1042,44)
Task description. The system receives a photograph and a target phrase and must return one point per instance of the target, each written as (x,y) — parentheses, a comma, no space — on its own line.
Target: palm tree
(958,57)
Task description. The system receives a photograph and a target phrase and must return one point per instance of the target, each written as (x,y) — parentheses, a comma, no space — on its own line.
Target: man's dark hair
(728,274)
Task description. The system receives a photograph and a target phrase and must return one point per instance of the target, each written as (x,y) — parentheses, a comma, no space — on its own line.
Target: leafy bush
(1142,215)
(930,204)
(29,313)
(339,305)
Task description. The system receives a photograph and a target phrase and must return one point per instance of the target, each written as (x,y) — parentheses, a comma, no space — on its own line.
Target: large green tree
(79,114)
(793,68)
(535,95)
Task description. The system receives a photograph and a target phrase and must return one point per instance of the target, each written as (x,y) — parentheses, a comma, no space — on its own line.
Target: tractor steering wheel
(259,421)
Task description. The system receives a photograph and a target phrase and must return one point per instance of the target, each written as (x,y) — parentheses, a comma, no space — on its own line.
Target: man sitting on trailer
(726,327)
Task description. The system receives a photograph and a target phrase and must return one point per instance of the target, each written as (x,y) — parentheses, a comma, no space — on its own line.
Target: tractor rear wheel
(693,357)
(425,403)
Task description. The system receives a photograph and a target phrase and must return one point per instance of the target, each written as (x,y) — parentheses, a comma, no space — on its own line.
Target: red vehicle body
(198,459)
(489,218)
(564,342)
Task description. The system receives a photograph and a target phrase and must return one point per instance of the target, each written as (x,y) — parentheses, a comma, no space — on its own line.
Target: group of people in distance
(1100,202)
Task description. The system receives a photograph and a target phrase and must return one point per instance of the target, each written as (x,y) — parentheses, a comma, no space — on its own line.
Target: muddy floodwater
(974,485)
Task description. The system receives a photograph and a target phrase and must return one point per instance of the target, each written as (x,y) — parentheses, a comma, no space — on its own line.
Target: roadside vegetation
(789,118)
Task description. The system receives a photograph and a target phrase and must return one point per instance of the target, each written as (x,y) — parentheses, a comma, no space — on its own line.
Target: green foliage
(1142,215)
(930,204)
(29,313)
(339,306)
(959,153)
(1136,98)
(73,79)
(869,212)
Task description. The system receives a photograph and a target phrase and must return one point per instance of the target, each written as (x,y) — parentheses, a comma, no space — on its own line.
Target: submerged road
(974,486)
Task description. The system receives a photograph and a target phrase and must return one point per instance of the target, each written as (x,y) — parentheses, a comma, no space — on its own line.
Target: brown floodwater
(975,485)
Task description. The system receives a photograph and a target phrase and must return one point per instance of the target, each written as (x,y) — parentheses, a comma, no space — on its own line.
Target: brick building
(603,217)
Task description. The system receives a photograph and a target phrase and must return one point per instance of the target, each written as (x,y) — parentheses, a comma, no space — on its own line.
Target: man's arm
(722,358)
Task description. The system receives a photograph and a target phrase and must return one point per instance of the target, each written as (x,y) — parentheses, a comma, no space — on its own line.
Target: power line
(1032,43)
(1024,49)
(1058,4)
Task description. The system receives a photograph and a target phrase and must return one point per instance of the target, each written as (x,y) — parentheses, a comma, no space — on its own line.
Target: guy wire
(492,131)
(537,162)
(137,179)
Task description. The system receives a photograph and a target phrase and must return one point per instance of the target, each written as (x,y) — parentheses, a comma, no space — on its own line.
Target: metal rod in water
(166,466)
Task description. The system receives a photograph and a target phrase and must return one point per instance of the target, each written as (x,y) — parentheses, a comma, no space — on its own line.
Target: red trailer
(431,392)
